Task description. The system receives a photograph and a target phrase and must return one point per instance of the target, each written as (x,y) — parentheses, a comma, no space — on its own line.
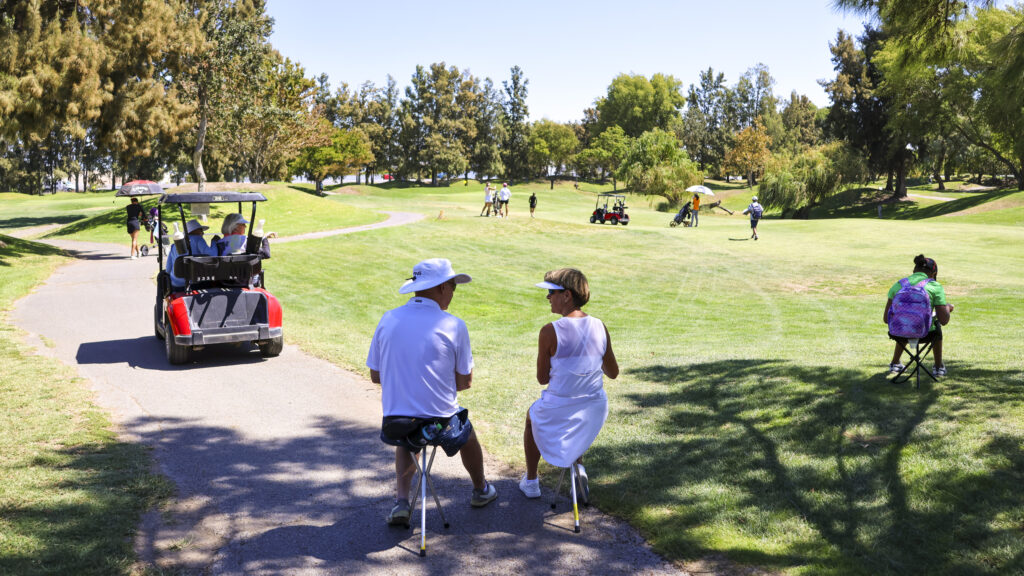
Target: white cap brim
(549,286)
(428,283)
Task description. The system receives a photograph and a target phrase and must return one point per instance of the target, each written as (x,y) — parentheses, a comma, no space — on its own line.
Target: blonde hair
(572,280)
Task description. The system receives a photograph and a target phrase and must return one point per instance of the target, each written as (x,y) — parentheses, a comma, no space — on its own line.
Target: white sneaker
(530,488)
(134,257)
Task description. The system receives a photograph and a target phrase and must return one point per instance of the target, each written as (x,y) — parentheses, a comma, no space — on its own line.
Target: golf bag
(683,217)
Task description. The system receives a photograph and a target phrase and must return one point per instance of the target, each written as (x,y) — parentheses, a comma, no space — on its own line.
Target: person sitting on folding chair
(924,269)
(421,357)
(574,355)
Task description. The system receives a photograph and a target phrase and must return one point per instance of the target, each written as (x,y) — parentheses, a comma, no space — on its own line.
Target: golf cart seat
(236,270)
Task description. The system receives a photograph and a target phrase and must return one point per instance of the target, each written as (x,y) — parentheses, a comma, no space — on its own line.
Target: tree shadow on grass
(33,221)
(854,474)
(16,248)
(863,203)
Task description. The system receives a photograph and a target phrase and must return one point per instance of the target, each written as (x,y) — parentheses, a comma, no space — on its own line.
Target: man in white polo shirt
(420,355)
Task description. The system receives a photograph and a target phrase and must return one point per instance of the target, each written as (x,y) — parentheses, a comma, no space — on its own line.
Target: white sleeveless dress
(571,411)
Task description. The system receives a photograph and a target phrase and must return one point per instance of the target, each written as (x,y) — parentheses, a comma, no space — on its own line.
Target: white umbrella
(700,190)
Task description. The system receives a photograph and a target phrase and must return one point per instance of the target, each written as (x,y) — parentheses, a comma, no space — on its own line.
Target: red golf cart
(615,214)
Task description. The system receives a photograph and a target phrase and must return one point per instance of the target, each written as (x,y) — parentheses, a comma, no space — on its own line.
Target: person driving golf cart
(234,238)
(194,232)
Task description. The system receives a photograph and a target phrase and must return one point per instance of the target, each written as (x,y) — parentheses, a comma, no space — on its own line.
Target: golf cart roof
(612,194)
(211,197)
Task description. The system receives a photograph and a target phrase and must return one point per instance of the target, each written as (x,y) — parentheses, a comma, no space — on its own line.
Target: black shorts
(933,336)
(133,226)
(753,222)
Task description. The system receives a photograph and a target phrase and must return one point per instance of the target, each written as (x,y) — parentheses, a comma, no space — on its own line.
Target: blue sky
(569,50)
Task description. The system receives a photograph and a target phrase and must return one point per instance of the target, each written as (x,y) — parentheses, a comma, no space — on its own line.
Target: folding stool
(917,352)
(425,482)
(584,493)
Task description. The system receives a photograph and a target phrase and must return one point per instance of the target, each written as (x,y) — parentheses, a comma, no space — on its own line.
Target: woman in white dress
(574,355)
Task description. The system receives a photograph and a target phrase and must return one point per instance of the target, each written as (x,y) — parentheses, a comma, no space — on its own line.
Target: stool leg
(558,489)
(423,509)
(430,485)
(575,508)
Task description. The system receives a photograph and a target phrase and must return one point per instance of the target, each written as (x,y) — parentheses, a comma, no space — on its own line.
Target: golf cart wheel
(144,249)
(615,220)
(272,348)
(175,354)
(593,219)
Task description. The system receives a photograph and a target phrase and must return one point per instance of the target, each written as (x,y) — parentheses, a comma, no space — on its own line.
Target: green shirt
(934,289)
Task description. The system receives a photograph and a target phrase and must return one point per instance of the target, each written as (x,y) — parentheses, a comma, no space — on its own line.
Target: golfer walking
(755,210)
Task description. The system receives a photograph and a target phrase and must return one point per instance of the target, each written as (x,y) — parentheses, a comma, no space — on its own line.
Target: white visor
(548,286)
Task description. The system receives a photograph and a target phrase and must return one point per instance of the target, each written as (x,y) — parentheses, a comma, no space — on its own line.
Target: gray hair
(230,221)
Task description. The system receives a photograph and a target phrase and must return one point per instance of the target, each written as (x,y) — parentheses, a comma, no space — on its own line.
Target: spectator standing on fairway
(755,210)
(134,210)
(533,203)
(574,354)
(504,195)
(420,355)
(488,201)
(924,269)
(696,209)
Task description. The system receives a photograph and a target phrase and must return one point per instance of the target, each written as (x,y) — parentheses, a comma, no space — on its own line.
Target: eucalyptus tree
(656,164)
(606,153)
(485,149)
(705,128)
(637,104)
(552,145)
(226,44)
(516,148)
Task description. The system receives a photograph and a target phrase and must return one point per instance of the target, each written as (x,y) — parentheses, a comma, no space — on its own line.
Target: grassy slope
(753,417)
(291,209)
(71,493)
(24,211)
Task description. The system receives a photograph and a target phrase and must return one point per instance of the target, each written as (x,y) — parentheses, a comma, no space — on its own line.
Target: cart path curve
(277,463)
(394,219)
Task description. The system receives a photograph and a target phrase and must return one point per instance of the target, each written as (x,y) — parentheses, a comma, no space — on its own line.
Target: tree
(516,149)
(606,153)
(656,164)
(435,114)
(801,129)
(227,44)
(485,149)
(266,127)
(797,185)
(705,129)
(347,151)
(551,145)
(749,152)
(637,104)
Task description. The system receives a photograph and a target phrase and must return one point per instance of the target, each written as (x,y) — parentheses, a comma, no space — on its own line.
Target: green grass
(290,209)
(71,494)
(753,418)
(24,211)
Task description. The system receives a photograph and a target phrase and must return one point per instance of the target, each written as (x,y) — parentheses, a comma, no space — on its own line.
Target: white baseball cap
(432,272)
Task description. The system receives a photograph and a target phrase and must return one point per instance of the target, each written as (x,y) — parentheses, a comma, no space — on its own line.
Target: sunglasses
(553,291)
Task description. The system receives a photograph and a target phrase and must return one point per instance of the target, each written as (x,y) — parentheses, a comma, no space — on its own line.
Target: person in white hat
(574,355)
(199,247)
(234,238)
(420,355)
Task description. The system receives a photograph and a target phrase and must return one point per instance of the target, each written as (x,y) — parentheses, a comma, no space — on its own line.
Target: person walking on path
(755,210)
(134,210)
(924,269)
(533,203)
(504,195)
(574,354)
(420,355)
(696,210)
(488,201)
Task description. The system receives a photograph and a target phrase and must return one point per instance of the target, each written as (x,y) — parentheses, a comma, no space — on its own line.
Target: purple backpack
(911,312)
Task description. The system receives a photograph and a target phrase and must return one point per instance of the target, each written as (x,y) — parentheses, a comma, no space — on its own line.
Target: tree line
(194,89)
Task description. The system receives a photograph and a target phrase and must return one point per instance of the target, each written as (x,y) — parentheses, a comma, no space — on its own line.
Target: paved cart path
(277,462)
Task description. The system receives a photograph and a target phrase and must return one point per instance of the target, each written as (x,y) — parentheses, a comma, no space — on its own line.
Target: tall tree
(485,149)
(705,128)
(347,150)
(656,164)
(637,104)
(551,145)
(435,103)
(516,149)
(606,153)
(227,43)
(749,152)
